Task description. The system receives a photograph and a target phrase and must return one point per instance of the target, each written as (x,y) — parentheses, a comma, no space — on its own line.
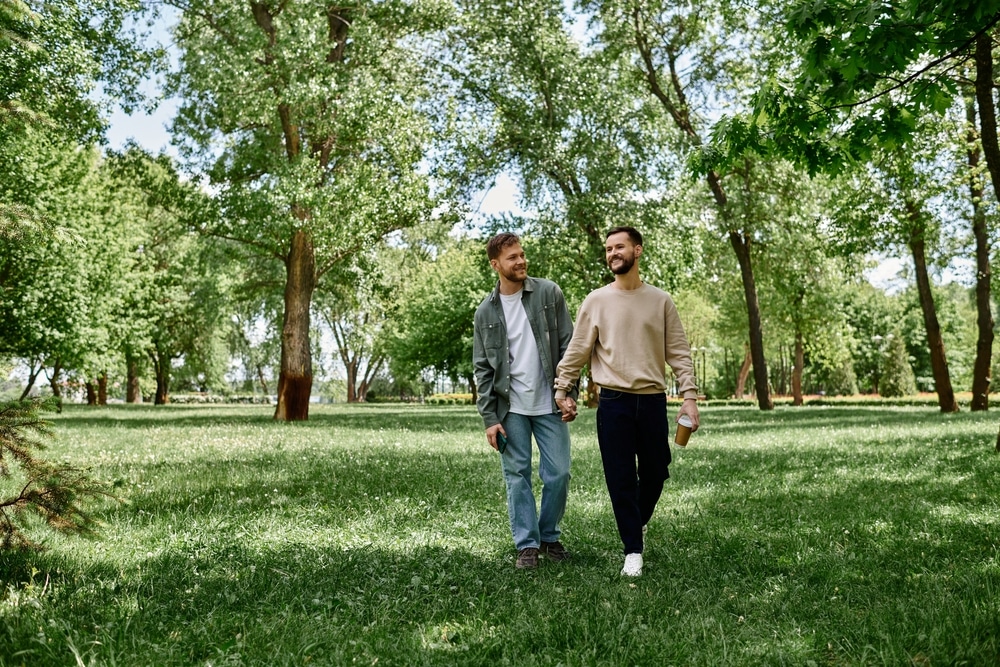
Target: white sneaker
(633,565)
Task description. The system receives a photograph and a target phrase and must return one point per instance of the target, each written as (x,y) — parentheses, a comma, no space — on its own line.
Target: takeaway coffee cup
(683,431)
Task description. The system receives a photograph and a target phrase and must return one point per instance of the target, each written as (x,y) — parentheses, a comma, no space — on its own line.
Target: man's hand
(491,435)
(690,408)
(568,408)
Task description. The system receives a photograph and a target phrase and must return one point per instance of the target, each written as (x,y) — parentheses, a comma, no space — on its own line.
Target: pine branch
(54,493)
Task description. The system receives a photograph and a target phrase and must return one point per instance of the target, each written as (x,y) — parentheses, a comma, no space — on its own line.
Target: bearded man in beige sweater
(629,331)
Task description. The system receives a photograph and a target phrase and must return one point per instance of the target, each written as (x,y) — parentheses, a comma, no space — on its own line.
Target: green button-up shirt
(552,327)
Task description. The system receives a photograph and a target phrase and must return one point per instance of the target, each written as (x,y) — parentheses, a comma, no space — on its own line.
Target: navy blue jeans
(634,437)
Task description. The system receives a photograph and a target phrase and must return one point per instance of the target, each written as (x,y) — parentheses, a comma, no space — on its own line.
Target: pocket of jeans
(610,394)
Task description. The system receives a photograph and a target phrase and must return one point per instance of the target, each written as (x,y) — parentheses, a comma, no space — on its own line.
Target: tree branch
(917,74)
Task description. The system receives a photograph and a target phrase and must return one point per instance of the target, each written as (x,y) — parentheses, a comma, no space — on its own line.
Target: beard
(627,262)
(515,275)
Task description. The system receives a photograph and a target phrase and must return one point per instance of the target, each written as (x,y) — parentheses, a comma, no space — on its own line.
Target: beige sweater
(628,337)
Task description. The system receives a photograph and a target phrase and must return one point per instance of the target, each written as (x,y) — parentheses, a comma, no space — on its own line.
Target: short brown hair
(496,244)
(633,234)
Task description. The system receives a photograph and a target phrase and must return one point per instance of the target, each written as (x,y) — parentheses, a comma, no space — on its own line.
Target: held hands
(491,435)
(568,407)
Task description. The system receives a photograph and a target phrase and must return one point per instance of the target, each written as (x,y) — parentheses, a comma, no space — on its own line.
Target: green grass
(378,535)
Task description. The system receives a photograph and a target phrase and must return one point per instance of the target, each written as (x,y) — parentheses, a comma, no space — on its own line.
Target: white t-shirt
(530,394)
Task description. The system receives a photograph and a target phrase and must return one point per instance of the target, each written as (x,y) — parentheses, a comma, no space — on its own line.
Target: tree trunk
(91,393)
(162,386)
(987,109)
(295,380)
(161,369)
(800,360)
(741,244)
(987,126)
(352,380)
(133,393)
(471,381)
(32,376)
(262,380)
(741,378)
(939,362)
(984,315)
(102,388)
(54,382)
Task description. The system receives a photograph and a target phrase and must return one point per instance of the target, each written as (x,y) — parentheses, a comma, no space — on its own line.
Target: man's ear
(494,263)
(638,250)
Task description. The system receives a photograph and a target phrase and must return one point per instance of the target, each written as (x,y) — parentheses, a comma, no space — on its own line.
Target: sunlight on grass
(378,535)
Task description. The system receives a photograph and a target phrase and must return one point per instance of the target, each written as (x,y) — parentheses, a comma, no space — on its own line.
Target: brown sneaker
(527,559)
(554,551)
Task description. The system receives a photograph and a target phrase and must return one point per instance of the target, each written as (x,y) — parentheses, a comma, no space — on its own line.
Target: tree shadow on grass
(353,481)
(246,602)
(726,420)
(376,416)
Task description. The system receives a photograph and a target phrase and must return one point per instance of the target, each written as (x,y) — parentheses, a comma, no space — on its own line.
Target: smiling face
(621,253)
(511,264)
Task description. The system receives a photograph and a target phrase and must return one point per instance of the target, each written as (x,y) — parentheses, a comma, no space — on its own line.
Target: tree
(801,281)
(433,320)
(53,58)
(860,80)
(897,374)
(566,122)
(357,313)
(903,216)
(318,113)
(662,38)
(980,232)
(46,304)
(176,296)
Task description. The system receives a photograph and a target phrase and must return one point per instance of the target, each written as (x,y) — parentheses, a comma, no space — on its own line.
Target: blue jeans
(528,527)
(633,434)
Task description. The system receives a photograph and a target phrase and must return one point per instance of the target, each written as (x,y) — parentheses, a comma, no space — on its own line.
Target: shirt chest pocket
(493,337)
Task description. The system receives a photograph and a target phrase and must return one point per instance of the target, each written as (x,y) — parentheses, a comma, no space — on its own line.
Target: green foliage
(56,56)
(48,296)
(174,300)
(62,67)
(569,124)
(31,487)
(840,380)
(861,78)
(897,374)
(872,315)
(433,323)
(343,166)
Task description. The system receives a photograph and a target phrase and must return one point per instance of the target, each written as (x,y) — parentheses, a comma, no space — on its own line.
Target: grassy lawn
(377,535)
